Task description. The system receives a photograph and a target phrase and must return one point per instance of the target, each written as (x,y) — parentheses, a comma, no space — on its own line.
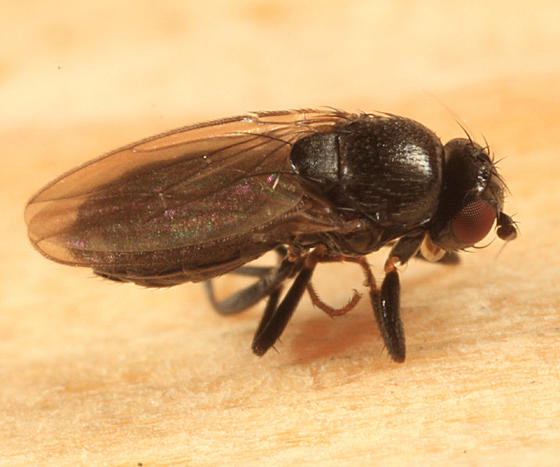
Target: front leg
(386,302)
(386,308)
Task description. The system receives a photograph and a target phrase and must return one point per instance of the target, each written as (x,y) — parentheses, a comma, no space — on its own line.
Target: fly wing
(189,187)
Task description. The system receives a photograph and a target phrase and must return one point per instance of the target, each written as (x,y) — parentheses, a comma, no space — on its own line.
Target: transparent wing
(188,187)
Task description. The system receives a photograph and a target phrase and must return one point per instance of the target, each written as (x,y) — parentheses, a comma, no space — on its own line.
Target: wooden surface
(97,373)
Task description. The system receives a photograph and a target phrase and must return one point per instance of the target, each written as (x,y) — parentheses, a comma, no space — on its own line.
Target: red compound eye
(473,222)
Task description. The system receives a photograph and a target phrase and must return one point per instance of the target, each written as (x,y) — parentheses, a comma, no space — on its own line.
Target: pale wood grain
(94,372)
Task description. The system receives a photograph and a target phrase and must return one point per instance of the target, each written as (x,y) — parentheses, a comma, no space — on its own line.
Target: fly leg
(275,319)
(329,310)
(386,308)
(386,301)
(269,280)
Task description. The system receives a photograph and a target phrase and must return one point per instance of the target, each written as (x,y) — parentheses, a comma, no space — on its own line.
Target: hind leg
(269,279)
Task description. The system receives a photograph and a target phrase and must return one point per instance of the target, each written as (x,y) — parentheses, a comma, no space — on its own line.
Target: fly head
(471,200)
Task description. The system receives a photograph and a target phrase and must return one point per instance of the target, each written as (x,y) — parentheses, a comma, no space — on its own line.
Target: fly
(315,186)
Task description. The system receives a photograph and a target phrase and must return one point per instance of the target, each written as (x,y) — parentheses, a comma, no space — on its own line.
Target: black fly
(316,186)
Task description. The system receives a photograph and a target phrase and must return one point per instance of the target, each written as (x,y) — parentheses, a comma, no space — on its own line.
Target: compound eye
(473,222)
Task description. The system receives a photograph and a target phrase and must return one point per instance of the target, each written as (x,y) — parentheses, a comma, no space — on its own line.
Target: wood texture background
(94,372)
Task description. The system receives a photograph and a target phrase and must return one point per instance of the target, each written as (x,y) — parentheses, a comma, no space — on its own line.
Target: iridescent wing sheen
(190,187)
